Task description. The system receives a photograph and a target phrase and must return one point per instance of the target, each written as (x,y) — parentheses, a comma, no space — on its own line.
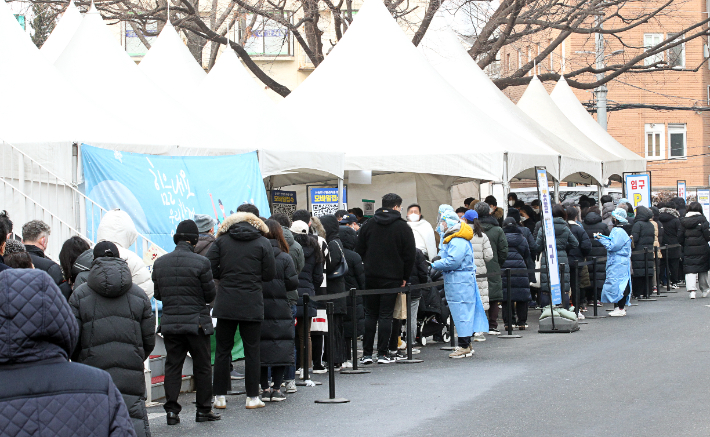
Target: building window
(266,37)
(654,141)
(651,40)
(676,55)
(134,46)
(677,140)
(509,67)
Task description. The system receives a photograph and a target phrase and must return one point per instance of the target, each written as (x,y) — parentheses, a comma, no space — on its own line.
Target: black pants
(671,275)
(639,284)
(622,302)
(378,316)
(521,311)
(396,333)
(224,337)
(277,375)
(177,347)
(464,342)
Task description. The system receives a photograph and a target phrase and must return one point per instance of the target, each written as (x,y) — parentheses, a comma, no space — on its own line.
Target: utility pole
(601,90)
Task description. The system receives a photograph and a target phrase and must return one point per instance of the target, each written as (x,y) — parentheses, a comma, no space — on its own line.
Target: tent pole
(341,204)
(506,182)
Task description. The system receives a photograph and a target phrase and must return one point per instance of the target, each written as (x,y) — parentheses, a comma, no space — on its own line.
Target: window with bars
(655,141)
(676,55)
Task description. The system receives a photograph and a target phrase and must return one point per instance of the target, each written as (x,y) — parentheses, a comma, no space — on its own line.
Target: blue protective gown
(460,285)
(618,265)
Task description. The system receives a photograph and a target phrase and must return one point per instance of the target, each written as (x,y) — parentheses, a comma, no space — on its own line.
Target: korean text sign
(681,190)
(638,189)
(551,250)
(158,192)
(324,201)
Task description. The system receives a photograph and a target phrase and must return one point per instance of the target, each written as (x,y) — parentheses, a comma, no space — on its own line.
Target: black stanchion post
(509,307)
(595,289)
(647,277)
(331,372)
(353,320)
(306,338)
(410,338)
(657,269)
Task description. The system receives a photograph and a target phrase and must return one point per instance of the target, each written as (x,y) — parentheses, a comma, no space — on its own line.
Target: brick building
(675,142)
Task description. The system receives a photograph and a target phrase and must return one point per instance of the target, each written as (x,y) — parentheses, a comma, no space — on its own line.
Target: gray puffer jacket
(607,209)
(116,331)
(482,253)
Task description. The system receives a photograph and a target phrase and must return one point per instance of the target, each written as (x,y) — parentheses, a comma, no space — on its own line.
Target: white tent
(398,114)
(62,33)
(539,106)
(445,53)
(564,98)
(285,156)
(171,66)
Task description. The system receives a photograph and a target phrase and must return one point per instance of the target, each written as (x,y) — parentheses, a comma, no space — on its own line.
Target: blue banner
(158,192)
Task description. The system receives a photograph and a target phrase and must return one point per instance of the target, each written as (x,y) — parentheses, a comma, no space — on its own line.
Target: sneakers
(236,375)
(460,352)
(254,403)
(291,386)
(523,326)
(277,396)
(319,370)
(692,295)
(705,293)
(581,316)
(387,359)
(478,336)
(674,286)
(220,402)
(397,355)
(347,365)
(365,360)
(617,313)
(493,331)
(416,351)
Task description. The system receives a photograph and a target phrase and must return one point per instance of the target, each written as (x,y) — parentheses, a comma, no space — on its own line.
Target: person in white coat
(117,227)
(424,238)
(482,253)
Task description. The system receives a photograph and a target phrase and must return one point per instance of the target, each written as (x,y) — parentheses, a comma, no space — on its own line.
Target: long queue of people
(251,273)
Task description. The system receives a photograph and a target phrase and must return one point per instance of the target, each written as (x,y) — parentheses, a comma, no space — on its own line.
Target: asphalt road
(640,375)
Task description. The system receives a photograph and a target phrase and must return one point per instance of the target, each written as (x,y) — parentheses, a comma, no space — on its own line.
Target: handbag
(400,307)
(342,269)
(319,323)
(537,283)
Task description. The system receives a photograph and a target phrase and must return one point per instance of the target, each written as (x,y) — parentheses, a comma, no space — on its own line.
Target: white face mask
(511,202)
(522,219)
(413,217)
(536,210)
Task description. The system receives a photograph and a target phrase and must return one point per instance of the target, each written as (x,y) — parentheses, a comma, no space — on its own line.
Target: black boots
(173,418)
(207,417)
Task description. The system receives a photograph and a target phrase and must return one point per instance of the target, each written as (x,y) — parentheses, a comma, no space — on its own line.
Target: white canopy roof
(171,66)
(399,114)
(539,106)
(62,33)
(445,53)
(564,98)
(235,99)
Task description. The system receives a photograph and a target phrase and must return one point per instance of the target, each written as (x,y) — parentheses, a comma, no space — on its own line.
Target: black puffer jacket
(680,205)
(82,266)
(672,231)
(242,260)
(277,333)
(643,234)
(183,281)
(565,241)
(355,278)
(333,260)
(386,245)
(695,237)
(593,224)
(420,273)
(41,392)
(518,258)
(585,245)
(309,280)
(116,331)
(41,262)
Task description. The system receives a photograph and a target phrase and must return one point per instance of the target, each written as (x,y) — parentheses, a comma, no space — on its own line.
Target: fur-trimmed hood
(242,217)
(671,211)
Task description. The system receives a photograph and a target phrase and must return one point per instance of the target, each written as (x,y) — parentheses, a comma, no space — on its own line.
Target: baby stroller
(433,318)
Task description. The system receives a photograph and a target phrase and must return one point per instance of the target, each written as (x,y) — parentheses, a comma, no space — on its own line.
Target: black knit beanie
(187,231)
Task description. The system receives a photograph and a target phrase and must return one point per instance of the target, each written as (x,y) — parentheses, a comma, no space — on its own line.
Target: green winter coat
(499,244)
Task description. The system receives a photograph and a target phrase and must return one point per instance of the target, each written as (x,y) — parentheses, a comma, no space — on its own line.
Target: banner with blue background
(158,192)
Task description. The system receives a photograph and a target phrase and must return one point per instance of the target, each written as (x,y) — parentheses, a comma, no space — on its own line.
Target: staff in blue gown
(617,286)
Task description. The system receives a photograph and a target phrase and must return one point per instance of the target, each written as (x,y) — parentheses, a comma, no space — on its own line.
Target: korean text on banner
(552,260)
(704,200)
(681,190)
(158,192)
(324,200)
(283,202)
(638,189)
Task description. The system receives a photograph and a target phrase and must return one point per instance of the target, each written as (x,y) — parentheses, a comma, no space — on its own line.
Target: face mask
(511,202)
(536,210)
(413,217)
(522,219)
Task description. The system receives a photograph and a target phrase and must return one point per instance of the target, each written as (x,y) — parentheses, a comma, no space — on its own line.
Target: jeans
(290,373)
(177,347)
(224,337)
(693,280)
(378,316)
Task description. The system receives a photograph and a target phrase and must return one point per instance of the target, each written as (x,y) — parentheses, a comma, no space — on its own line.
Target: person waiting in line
(3,245)
(205,225)
(643,235)
(386,245)
(696,252)
(483,254)
(71,250)
(354,279)
(116,328)
(424,237)
(672,235)
(460,211)
(593,224)
(35,236)
(295,250)
(16,256)
(277,333)
(527,217)
(518,258)
(467,202)
(335,263)
(350,221)
(512,198)
(617,284)
(459,268)
(183,282)
(242,259)
(496,212)
(565,241)
(535,205)
(578,254)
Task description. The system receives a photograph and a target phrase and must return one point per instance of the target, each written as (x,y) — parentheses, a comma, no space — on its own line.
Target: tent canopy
(62,33)
(564,98)
(399,114)
(537,104)
(444,52)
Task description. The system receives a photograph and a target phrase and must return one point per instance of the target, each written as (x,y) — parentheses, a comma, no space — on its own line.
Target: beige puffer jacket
(482,253)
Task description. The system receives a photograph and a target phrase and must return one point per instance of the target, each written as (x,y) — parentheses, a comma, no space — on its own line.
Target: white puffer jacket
(117,227)
(482,253)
